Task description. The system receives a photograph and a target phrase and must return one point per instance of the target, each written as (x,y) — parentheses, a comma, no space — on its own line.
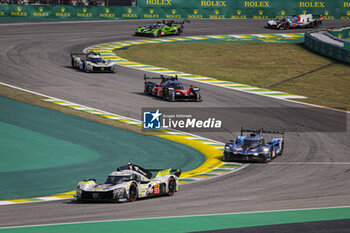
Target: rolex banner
(180,9)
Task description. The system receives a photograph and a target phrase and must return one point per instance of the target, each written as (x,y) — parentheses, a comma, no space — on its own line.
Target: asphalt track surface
(36,57)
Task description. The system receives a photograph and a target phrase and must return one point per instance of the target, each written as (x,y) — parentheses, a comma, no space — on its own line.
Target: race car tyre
(86,69)
(267,158)
(314,24)
(73,62)
(132,192)
(286,26)
(113,69)
(171,186)
(281,151)
(164,97)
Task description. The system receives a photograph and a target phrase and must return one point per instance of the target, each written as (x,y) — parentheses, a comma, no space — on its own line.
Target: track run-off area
(312,173)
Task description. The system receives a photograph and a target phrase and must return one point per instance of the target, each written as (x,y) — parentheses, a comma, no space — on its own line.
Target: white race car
(296,21)
(93,63)
(128,183)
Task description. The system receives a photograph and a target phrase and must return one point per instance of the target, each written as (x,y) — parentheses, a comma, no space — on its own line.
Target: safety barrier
(340,33)
(327,42)
(177,9)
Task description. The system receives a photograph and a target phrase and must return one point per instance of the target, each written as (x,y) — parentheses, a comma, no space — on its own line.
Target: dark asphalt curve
(36,57)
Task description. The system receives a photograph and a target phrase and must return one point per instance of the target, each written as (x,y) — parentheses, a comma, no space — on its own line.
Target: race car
(296,21)
(163,28)
(92,63)
(253,147)
(171,89)
(129,183)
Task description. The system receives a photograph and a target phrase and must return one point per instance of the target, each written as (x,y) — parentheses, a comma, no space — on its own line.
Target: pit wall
(177,9)
(326,48)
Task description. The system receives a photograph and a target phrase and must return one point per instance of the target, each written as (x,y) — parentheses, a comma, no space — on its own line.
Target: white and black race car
(296,21)
(128,183)
(92,63)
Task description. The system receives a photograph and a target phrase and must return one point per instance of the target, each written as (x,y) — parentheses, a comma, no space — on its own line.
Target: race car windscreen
(250,143)
(116,179)
(97,60)
(176,85)
(153,26)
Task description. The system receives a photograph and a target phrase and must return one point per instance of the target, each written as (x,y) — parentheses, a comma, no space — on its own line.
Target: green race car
(161,29)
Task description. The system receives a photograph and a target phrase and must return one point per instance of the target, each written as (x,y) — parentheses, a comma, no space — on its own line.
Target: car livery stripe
(108,48)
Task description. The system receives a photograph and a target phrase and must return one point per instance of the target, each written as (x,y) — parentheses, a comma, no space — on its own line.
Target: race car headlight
(256,154)
(266,149)
(228,149)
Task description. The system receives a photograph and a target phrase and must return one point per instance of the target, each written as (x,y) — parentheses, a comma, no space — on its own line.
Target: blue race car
(252,147)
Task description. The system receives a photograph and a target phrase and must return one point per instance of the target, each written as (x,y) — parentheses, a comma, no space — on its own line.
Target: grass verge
(257,64)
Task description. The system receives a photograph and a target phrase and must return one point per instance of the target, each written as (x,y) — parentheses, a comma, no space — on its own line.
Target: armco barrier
(324,43)
(176,9)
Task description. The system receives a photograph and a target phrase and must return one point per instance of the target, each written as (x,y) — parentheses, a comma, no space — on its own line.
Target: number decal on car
(156,189)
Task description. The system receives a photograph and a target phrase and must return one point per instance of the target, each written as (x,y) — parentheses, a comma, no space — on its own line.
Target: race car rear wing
(177,172)
(78,54)
(261,131)
(320,17)
(162,77)
(175,22)
(147,172)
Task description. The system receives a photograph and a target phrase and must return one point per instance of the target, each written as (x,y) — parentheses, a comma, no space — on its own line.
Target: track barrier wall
(331,42)
(177,9)
(345,33)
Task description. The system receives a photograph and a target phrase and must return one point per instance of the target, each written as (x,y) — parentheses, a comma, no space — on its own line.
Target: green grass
(257,64)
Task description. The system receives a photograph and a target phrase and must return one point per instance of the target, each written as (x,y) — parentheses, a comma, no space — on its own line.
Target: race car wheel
(113,69)
(172,99)
(73,62)
(281,151)
(171,186)
(286,26)
(267,158)
(132,193)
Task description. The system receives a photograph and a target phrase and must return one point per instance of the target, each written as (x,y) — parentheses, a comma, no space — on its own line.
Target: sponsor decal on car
(156,189)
